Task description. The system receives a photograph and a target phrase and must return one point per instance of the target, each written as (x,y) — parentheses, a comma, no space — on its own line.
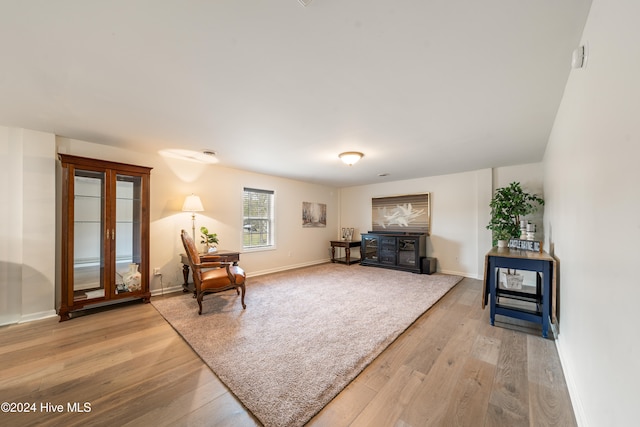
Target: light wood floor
(449,368)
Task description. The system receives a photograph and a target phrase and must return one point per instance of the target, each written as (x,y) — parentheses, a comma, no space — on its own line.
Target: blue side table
(545,297)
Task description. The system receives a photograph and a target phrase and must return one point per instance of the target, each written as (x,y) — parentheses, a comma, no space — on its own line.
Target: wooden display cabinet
(105,229)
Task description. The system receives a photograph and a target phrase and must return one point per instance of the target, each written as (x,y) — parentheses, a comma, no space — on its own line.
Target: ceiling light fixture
(350,157)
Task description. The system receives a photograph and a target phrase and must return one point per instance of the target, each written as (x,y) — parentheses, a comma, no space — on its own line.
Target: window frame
(270,219)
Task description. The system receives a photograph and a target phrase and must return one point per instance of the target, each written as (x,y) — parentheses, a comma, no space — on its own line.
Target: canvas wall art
(314,214)
(405,213)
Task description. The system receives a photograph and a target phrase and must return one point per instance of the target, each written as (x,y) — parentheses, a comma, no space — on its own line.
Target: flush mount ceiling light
(350,157)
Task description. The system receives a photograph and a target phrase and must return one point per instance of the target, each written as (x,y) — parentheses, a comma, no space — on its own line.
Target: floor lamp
(193,204)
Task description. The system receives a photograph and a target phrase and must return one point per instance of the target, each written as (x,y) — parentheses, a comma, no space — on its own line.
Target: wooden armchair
(210,277)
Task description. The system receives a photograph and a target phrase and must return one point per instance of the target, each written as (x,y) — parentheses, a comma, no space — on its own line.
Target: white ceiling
(422,87)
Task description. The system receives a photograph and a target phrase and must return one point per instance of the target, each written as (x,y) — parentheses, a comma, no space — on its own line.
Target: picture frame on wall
(314,215)
(409,213)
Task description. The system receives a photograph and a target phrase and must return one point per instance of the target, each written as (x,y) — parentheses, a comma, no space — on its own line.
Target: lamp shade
(192,204)
(350,157)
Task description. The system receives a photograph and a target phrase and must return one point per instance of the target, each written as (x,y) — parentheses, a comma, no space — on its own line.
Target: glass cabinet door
(97,237)
(88,226)
(128,232)
(407,252)
(370,248)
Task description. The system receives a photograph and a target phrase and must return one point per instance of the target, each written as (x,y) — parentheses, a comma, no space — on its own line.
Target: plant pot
(503,243)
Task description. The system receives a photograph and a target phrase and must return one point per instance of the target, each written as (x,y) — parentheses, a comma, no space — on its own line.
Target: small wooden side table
(347,245)
(229,256)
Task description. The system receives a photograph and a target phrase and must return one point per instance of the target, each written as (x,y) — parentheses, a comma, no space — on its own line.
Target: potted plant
(210,240)
(507,206)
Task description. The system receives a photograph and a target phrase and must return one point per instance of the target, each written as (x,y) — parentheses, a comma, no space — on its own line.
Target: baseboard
(287,267)
(578,408)
(38,316)
(162,291)
(459,273)
(179,288)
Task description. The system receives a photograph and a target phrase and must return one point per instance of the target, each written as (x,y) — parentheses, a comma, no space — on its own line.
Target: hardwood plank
(509,401)
(415,350)
(451,367)
(346,406)
(70,361)
(433,340)
(430,400)
(469,397)
(126,404)
(172,404)
(117,376)
(547,390)
(486,349)
(224,411)
(388,404)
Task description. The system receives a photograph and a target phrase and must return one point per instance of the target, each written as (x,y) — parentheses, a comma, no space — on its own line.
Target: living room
(588,176)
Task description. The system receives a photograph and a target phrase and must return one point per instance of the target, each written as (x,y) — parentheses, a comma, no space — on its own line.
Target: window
(258,216)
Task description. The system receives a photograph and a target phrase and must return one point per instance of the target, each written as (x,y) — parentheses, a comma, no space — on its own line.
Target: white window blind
(258,218)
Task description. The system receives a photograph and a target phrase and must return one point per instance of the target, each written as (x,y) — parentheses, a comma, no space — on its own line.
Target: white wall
(593,218)
(10,227)
(460,204)
(220,190)
(27,225)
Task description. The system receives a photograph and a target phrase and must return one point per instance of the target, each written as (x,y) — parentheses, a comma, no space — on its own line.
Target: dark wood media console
(399,251)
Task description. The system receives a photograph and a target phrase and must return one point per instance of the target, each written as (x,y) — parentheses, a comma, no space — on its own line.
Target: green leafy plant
(508,205)
(210,239)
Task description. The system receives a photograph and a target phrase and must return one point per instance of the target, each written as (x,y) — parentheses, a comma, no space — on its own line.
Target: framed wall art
(314,215)
(409,213)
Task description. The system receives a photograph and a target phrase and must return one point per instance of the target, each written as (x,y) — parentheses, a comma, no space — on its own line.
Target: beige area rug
(305,334)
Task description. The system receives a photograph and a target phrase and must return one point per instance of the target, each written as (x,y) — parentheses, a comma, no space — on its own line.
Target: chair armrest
(236,274)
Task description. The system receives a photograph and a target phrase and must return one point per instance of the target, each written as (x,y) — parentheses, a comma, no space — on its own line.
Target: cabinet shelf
(87,196)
